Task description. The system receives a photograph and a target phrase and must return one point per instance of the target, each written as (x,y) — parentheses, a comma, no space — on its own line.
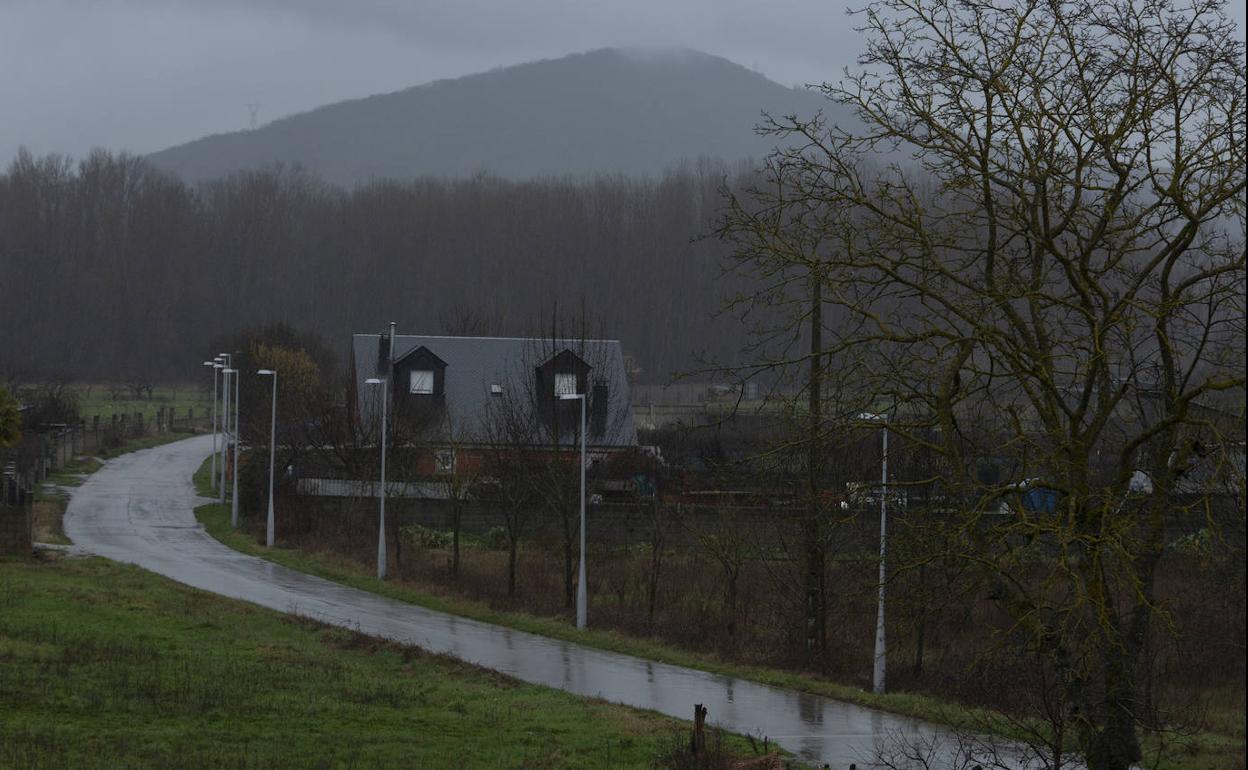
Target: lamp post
(226,372)
(581,589)
(381,495)
(877,677)
(238,439)
(268,536)
(213,477)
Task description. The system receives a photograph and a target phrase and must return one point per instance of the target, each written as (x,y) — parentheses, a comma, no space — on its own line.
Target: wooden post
(698,745)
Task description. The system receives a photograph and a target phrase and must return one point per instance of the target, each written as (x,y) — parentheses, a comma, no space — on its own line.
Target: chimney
(392,343)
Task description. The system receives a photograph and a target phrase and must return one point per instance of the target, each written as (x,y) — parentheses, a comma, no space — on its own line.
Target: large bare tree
(1040,270)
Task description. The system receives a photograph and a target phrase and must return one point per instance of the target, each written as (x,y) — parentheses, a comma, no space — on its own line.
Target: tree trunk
(392,527)
(569,580)
(652,587)
(511,567)
(813,578)
(656,561)
(457,515)
(920,632)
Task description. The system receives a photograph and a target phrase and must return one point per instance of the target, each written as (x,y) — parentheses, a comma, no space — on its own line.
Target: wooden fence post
(698,744)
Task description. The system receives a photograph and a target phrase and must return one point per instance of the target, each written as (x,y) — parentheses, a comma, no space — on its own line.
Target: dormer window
(565,384)
(422,381)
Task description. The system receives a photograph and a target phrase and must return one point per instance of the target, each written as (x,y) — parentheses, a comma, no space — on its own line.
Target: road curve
(138,509)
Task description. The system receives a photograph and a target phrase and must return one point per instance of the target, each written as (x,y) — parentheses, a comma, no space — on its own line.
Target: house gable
(563,373)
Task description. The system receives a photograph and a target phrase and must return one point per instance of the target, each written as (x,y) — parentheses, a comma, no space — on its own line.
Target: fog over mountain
(631,111)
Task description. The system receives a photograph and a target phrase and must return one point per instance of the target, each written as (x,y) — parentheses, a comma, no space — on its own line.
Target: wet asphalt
(138,509)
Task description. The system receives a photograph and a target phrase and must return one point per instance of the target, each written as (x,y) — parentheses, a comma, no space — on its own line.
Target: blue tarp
(1040,500)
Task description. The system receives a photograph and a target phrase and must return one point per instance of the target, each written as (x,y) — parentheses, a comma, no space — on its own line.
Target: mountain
(606,111)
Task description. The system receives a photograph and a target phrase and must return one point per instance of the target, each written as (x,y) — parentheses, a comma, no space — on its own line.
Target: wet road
(138,509)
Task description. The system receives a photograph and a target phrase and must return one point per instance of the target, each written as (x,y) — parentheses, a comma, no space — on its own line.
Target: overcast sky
(142,75)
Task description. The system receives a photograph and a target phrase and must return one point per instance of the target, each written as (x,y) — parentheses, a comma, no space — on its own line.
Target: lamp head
(266,371)
(571,396)
(374,381)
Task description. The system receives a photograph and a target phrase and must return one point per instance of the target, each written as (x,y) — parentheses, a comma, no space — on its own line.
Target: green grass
(104,665)
(51,499)
(97,400)
(1205,751)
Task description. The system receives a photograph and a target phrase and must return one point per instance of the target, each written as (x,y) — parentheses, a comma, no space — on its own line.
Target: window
(422,381)
(444,461)
(565,384)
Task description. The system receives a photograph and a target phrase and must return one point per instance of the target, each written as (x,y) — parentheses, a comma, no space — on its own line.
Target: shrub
(494,539)
(424,537)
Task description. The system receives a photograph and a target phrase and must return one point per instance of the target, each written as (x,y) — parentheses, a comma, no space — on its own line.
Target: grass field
(104,665)
(98,400)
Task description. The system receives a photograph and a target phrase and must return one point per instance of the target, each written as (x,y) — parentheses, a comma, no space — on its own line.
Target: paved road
(138,509)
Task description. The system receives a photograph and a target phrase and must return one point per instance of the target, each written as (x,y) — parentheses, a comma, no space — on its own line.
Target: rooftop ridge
(473,337)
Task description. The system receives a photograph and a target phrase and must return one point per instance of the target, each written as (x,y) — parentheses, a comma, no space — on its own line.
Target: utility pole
(881,651)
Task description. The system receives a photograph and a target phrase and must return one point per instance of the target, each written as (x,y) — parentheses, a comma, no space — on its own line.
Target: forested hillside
(113,269)
(607,111)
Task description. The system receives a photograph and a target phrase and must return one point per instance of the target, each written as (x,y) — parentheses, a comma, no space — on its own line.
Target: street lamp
(581,591)
(877,678)
(235,374)
(268,537)
(213,477)
(226,372)
(381,495)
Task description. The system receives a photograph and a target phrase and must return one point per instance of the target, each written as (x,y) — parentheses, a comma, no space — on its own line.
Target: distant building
(467,394)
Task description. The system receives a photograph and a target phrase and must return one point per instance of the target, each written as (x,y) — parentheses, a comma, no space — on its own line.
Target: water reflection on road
(138,509)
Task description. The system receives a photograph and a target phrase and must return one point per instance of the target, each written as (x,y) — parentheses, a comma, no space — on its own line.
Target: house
(466,394)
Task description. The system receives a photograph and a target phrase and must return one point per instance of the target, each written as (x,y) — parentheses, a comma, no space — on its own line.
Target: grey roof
(474,364)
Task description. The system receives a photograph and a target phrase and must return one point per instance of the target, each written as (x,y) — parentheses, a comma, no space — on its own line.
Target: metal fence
(610,524)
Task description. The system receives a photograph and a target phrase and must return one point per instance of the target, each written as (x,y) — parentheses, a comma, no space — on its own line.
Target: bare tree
(507,435)
(557,423)
(1044,287)
(725,538)
(10,420)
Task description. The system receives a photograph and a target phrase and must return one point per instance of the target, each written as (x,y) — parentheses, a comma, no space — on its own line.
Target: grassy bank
(1205,751)
(51,499)
(104,665)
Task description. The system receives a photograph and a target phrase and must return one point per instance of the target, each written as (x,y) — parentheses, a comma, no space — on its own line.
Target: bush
(423,537)
(495,539)
(1201,544)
